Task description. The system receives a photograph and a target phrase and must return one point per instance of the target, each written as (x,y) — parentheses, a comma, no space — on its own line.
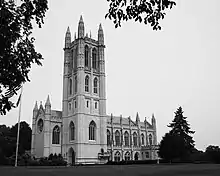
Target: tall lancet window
(95,84)
(70,86)
(150,139)
(135,139)
(86,56)
(94,58)
(108,138)
(92,130)
(126,136)
(75,88)
(75,57)
(117,138)
(72,131)
(87,83)
(56,135)
(142,139)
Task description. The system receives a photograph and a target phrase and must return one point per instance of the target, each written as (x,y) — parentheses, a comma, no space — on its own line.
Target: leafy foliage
(8,138)
(213,153)
(147,11)
(17,51)
(177,143)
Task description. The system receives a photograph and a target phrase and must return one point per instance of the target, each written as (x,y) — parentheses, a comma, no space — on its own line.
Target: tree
(8,140)
(177,143)
(147,11)
(181,127)
(17,51)
(24,136)
(213,153)
(171,147)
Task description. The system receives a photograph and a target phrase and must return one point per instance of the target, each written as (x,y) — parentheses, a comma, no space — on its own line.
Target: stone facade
(82,132)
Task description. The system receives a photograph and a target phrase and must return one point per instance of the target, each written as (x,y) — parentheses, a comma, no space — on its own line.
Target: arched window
(40,125)
(86,56)
(135,139)
(95,84)
(126,139)
(87,83)
(142,139)
(150,139)
(75,57)
(70,86)
(117,156)
(127,156)
(75,84)
(117,138)
(94,58)
(92,130)
(72,131)
(108,138)
(56,135)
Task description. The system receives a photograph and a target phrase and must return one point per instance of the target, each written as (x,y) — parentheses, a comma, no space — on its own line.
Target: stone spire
(153,121)
(68,38)
(36,106)
(48,101)
(137,118)
(100,35)
(48,105)
(81,28)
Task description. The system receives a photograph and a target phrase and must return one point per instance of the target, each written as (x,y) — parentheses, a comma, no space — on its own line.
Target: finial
(90,36)
(68,30)
(86,34)
(81,18)
(75,36)
(48,101)
(36,107)
(100,26)
(137,117)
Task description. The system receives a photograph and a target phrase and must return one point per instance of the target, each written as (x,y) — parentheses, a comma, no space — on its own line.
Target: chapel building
(82,132)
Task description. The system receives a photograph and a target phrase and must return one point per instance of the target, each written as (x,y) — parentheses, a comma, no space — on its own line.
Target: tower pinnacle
(36,106)
(48,101)
(68,38)
(81,28)
(100,35)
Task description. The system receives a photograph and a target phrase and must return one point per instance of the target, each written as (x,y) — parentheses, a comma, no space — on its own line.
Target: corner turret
(81,28)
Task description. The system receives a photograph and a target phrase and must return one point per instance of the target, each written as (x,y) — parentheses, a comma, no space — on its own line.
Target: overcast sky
(147,71)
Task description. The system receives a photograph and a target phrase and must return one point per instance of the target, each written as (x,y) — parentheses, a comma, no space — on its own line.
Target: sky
(146,71)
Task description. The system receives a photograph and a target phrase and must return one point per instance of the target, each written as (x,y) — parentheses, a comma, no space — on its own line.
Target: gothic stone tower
(84,98)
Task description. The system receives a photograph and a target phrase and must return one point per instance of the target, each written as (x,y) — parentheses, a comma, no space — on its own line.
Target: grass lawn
(117,170)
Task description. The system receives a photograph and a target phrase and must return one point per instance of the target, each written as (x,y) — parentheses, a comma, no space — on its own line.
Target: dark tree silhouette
(177,143)
(8,138)
(180,126)
(213,153)
(147,11)
(171,147)
(17,51)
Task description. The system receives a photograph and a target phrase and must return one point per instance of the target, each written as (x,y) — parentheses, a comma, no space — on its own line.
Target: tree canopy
(146,11)
(8,136)
(17,51)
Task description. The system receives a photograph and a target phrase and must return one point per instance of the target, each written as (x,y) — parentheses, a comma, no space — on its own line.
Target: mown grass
(117,170)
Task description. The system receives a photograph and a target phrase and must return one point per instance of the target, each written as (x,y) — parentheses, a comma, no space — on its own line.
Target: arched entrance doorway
(71,156)
(136,156)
